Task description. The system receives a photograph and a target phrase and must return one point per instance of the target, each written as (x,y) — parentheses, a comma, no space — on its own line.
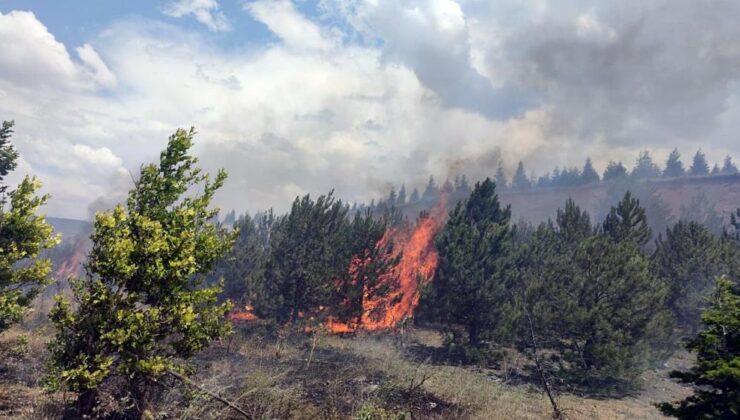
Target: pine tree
(715,169)
(716,375)
(574,225)
(414,198)
(733,231)
(24,235)
(614,171)
(431,192)
(462,186)
(520,180)
(628,222)
(589,174)
(141,312)
(8,154)
(447,188)
(544,181)
(729,168)
(230,218)
(307,252)
(470,285)
(312,250)
(593,302)
(689,259)
(244,265)
(658,212)
(645,168)
(401,200)
(392,197)
(371,261)
(502,182)
(674,166)
(699,165)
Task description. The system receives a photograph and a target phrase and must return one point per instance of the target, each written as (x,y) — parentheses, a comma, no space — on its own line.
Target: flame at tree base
(417,263)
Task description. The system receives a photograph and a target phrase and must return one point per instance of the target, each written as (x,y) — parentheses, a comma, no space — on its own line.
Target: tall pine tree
(689,259)
(729,167)
(614,171)
(501,181)
(716,375)
(699,165)
(674,166)
(520,180)
(644,167)
(470,285)
(627,221)
(592,301)
(589,174)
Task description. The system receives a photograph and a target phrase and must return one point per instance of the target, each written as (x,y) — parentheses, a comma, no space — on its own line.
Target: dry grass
(372,374)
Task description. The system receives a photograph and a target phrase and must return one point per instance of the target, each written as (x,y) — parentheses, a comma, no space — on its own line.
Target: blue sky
(296,97)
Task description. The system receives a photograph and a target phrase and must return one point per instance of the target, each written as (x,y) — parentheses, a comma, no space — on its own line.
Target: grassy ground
(331,377)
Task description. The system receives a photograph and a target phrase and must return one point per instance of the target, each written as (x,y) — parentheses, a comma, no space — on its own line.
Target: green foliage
(370,411)
(8,154)
(244,265)
(644,167)
(729,167)
(310,254)
(716,376)
(141,311)
(733,233)
(470,285)
(520,180)
(24,235)
(593,301)
(371,260)
(699,165)
(589,174)
(500,179)
(674,166)
(628,222)
(689,259)
(614,171)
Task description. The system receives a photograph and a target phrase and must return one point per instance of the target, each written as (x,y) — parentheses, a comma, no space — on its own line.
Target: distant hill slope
(69,228)
(538,204)
(721,191)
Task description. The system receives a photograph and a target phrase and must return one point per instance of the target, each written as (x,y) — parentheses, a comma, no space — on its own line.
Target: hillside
(539,204)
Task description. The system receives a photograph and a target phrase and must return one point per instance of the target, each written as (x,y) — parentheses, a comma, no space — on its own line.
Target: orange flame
(418,261)
(246,315)
(72,266)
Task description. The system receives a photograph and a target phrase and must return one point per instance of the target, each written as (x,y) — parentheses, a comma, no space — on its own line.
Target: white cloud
(95,66)
(96,159)
(294,29)
(30,54)
(204,11)
(310,113)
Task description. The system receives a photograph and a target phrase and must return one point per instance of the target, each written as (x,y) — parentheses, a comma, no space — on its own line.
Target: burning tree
(23,235)
(140,311)
(326,267)
(405,268)
(370,273)
(306,275)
